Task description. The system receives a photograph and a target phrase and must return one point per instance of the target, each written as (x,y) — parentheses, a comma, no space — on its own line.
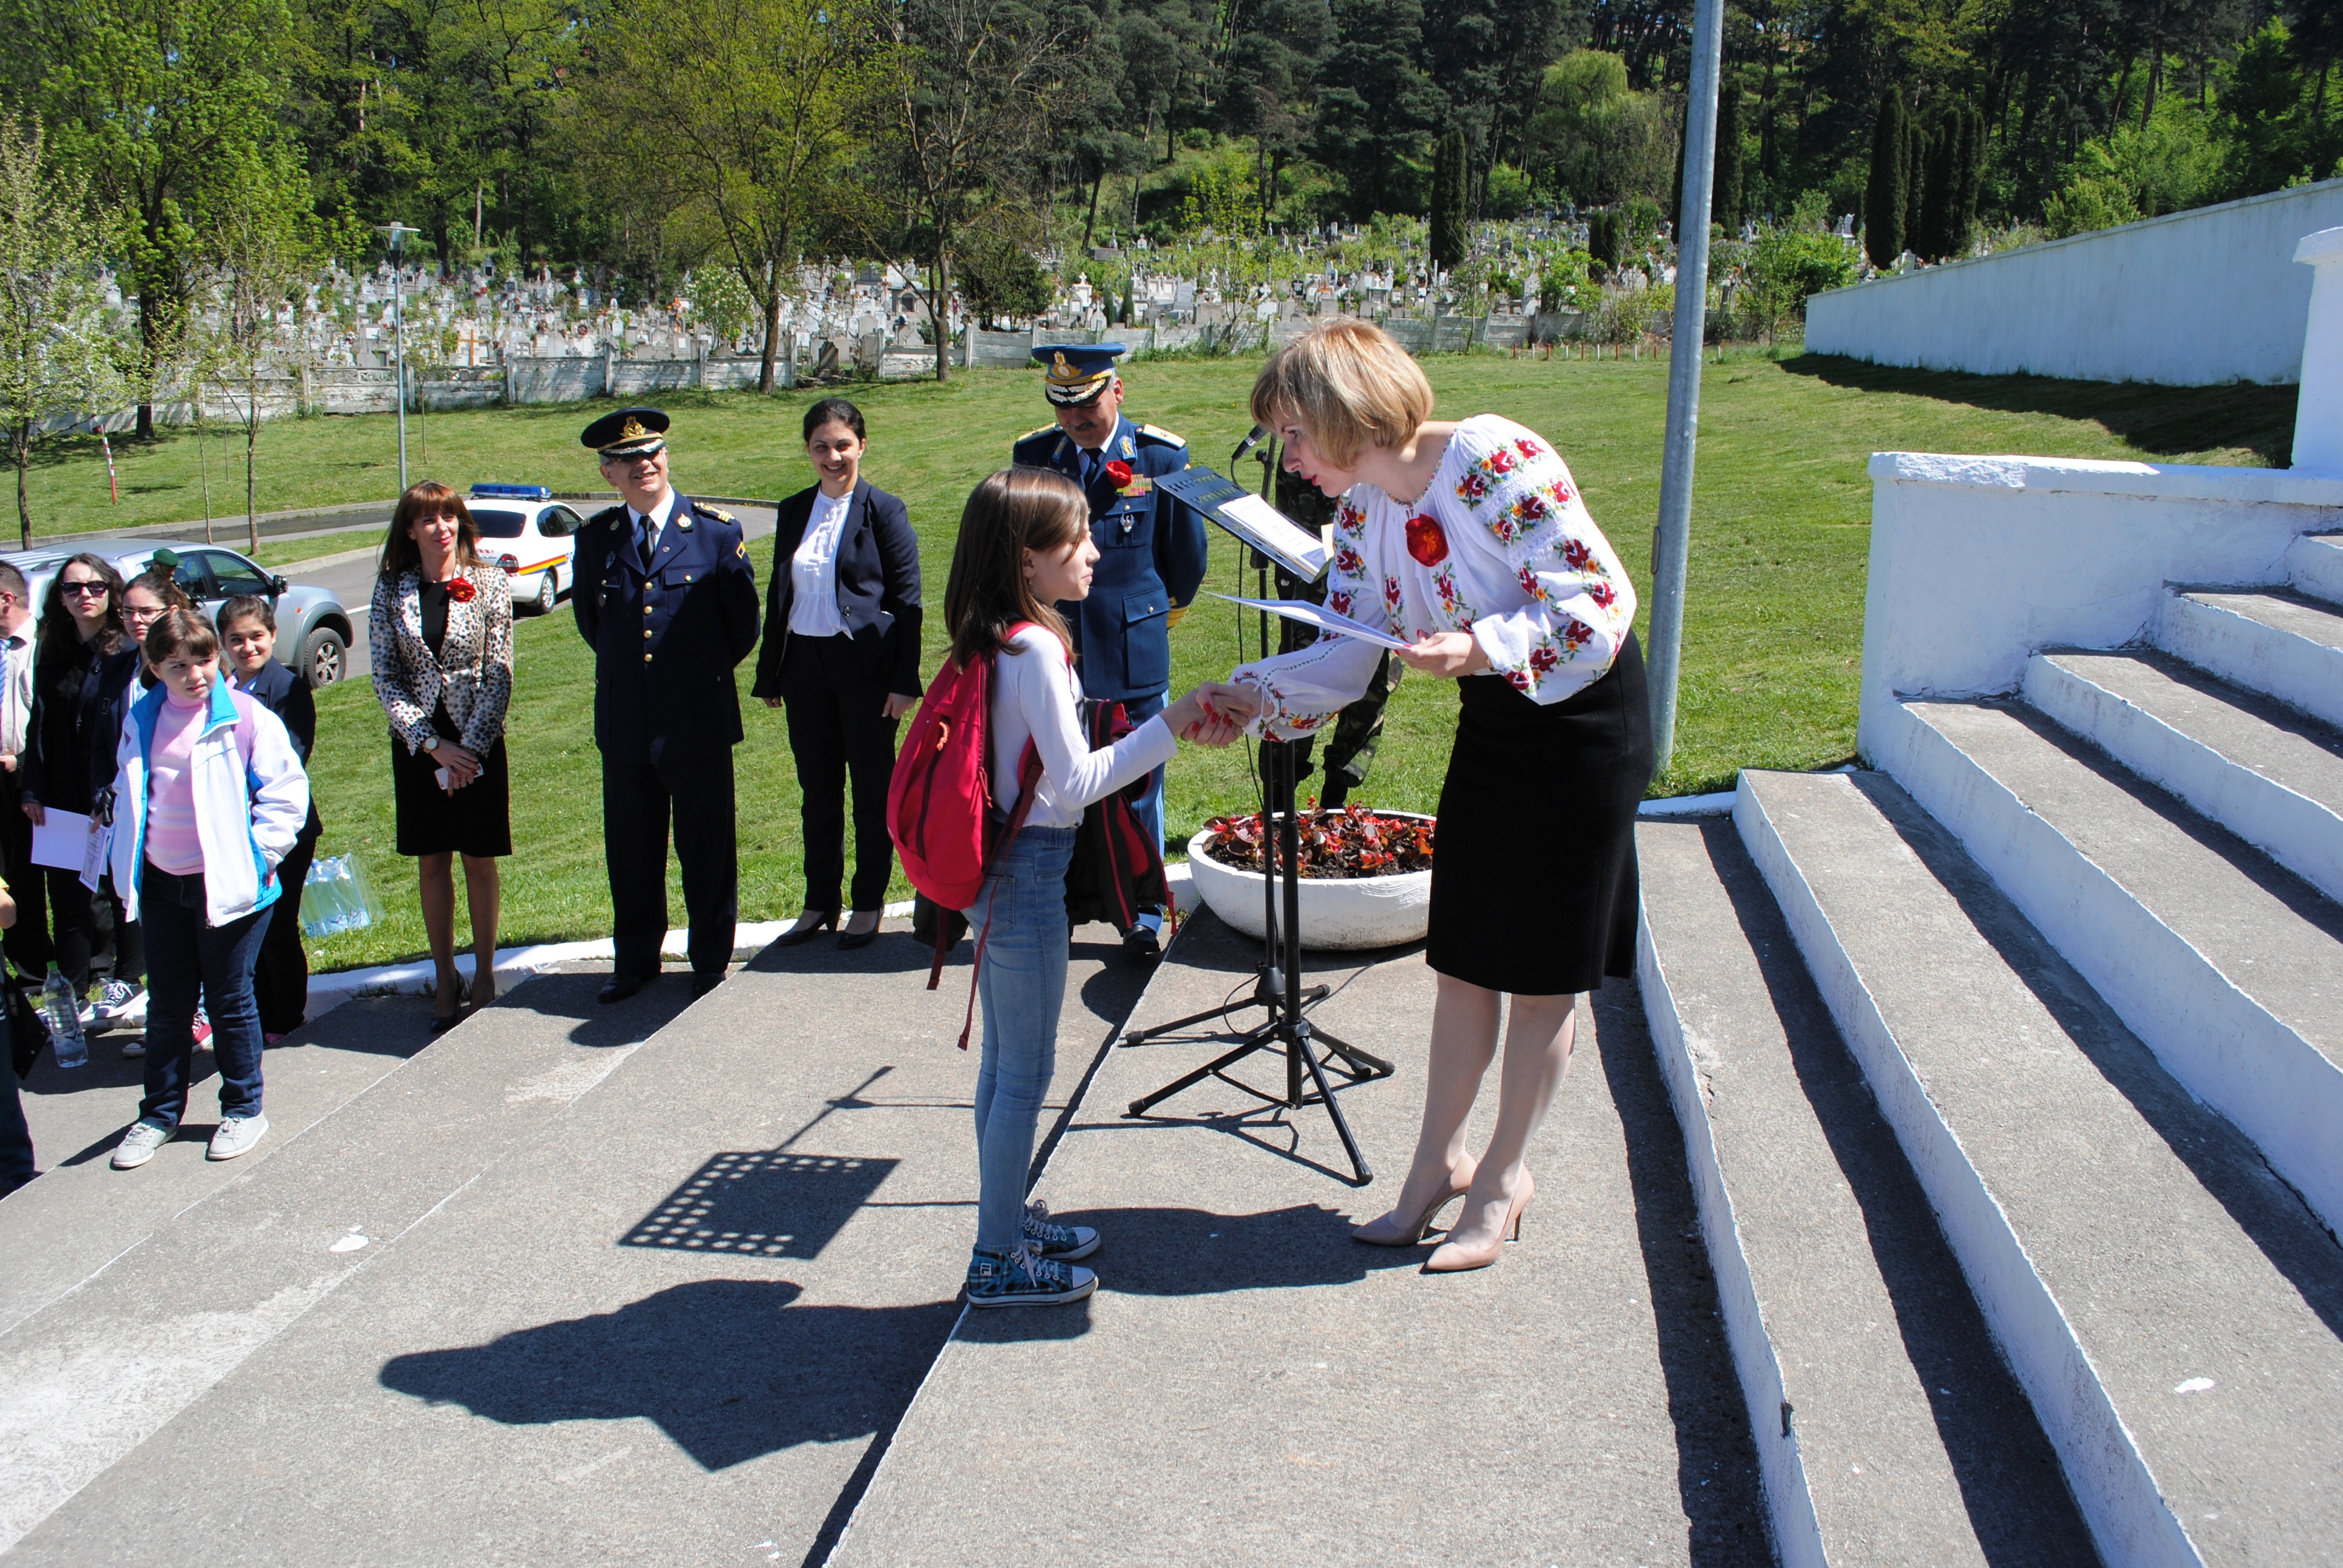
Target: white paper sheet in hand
(1318,615)
(62,841)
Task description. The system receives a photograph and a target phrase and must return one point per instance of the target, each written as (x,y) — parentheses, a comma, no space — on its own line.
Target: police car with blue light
(531,534)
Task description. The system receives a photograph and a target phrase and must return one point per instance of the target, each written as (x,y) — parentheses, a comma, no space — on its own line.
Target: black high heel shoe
(790,938)
(849,941)
(440,1025)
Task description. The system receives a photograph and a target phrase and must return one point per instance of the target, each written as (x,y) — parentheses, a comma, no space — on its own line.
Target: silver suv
(313,630)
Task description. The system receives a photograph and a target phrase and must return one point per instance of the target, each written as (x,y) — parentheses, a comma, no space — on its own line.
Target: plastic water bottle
(323,910)
(364,908)
(60,1011)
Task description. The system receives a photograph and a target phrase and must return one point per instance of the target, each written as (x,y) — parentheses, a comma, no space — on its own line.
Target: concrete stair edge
(2298,671)
(1789,1498)
(2314,564)
(2119,1497)
(2225,1047)
(2301,833)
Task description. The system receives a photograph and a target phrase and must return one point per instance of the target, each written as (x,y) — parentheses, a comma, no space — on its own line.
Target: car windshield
(499,525)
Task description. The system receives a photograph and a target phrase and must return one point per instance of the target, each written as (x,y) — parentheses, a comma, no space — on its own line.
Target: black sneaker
(1063,1243)
(1145,940)
(1024,1279)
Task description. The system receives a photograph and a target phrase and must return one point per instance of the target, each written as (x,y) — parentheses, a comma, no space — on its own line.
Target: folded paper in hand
(61,839)
(1318,615)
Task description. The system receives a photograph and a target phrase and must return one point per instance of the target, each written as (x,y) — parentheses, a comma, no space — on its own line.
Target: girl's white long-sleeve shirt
(1033,697)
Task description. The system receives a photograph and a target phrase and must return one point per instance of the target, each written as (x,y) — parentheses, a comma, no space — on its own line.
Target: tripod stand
(1278,990)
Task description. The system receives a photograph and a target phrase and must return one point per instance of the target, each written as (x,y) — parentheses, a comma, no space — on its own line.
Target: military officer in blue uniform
(666,598)
(1150,550)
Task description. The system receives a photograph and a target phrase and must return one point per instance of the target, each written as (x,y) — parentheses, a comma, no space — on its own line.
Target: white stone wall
(2193,299)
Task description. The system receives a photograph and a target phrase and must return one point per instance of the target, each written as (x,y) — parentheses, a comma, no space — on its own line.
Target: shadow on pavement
(1190,1253)
(730,1369)
(761,1203)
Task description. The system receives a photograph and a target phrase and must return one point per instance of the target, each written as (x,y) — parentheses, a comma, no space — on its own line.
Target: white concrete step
(2227,966)
(2170,1308)
(2274,642)
(1888,1428)
(2268,775)
(2314,564)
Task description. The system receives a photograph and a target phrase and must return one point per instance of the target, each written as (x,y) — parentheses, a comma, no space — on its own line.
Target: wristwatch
(431,744)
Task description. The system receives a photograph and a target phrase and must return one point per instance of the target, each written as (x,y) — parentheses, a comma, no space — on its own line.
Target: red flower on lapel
(1425,542)
(461,590)
(1117,473)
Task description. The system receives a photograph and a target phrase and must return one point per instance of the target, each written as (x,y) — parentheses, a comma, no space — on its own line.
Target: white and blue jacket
(251,799)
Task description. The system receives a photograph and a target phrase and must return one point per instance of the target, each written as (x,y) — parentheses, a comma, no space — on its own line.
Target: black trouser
(93,940)
(280,981)
(27,943)
(839,727)
(637,797)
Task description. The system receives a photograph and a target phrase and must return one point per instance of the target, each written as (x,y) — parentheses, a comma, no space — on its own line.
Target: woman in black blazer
(841,654)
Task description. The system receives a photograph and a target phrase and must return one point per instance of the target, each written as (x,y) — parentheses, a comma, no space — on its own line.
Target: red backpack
(940,801)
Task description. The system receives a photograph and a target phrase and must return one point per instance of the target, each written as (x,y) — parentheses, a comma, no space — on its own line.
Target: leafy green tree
(1727,193)
(1000,279)
(1594,137)
(1448,221)
(1378,106)
(56,351)
(1888,194)
(161,103)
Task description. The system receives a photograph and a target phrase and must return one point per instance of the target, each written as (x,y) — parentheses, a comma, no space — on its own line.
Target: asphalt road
(352,581)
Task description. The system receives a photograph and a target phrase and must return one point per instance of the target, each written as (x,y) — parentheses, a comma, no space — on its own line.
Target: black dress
(476,819)
(1534,885)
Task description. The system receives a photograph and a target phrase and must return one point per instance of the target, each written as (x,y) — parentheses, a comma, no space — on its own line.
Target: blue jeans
(1022,985)
(186,957)
(1150,810)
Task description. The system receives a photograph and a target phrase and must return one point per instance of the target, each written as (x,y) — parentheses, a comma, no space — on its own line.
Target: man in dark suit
(667,598)
(1150,551)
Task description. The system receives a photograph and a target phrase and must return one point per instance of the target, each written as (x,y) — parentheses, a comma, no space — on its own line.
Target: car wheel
(548,590)
(324,658)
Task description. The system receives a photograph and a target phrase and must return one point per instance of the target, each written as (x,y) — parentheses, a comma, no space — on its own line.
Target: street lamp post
(399,232)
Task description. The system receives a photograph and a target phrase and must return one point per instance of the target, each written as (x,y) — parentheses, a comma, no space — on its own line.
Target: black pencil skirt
(476,820)
(1534,887)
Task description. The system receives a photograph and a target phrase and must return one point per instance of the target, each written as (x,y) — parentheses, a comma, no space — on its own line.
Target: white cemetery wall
(2193,299)
(1001,350)
(568,378)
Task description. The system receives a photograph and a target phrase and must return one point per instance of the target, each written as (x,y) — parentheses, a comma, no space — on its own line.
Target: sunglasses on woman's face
(79,587)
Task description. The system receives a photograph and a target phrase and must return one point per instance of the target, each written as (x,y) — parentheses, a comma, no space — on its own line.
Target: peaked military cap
(628,433)
(1077,372)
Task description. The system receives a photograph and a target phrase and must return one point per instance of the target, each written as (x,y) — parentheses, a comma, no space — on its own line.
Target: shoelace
(1038,1269)
(1036,1218)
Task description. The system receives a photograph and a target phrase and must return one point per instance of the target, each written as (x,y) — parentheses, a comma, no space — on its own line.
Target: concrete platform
(1250,1386)
(673,1320)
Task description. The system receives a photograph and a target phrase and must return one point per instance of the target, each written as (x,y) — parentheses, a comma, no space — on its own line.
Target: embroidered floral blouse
(1500,545)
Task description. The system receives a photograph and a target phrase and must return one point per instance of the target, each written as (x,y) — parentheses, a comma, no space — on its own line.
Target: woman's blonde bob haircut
(1348,384)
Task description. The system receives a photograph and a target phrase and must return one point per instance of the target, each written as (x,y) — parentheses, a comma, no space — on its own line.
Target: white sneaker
(120,1003)
(236,1135)
(138,1144)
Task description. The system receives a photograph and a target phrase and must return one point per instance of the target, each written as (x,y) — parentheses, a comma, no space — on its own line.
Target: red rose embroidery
(1425,542)
(1499,461)
(461,590)
(1543,659)
(1119,472)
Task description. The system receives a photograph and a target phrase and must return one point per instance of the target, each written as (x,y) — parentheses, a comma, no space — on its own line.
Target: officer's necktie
(643,538)
(1089,467)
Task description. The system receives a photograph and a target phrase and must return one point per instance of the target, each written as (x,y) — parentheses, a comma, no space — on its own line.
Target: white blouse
(1500,545)
(813,571)
(1033,695)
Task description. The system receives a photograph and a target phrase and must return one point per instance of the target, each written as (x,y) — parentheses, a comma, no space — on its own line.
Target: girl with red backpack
(1024,547)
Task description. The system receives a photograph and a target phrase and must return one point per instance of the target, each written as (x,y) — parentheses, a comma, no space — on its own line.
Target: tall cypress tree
(1915,184)
(1972,174)
(1448,200)
(1726,195)
(1883,199)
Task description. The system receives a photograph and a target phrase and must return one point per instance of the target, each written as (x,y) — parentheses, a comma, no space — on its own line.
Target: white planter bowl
(1337,912)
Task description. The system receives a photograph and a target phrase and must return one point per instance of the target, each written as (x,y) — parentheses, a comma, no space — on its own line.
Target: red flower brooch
(1119,473)
(1425,542)
(461,590)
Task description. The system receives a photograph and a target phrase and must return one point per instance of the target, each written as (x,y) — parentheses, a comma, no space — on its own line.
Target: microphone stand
(1278,990)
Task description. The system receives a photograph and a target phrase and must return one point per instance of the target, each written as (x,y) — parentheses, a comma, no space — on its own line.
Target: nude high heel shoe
(1452,1258)
(1389,1230)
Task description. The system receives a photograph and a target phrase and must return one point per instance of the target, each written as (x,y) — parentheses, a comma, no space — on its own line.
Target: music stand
(1278,990)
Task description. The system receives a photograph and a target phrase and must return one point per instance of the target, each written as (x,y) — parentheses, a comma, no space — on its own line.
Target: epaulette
(1036,430)
(718,513)
(605,514)
(1166,436)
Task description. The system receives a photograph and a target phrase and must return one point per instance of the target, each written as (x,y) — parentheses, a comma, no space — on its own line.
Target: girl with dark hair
(440,633)
(841,654)
(1024,547)
(79,672)
(208,798)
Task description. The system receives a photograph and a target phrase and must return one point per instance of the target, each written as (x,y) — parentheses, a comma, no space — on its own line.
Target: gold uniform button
(646,634)
(647,609)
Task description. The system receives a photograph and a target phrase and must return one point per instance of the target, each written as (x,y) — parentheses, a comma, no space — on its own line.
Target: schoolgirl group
(1467,538)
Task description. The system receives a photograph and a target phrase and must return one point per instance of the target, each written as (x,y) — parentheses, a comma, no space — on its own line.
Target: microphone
(1254,438)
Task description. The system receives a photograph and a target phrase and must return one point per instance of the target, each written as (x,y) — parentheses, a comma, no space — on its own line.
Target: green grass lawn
(1774,624)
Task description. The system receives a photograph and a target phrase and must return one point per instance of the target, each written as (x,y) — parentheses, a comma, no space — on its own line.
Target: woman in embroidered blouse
(440,634)
(1469,539)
